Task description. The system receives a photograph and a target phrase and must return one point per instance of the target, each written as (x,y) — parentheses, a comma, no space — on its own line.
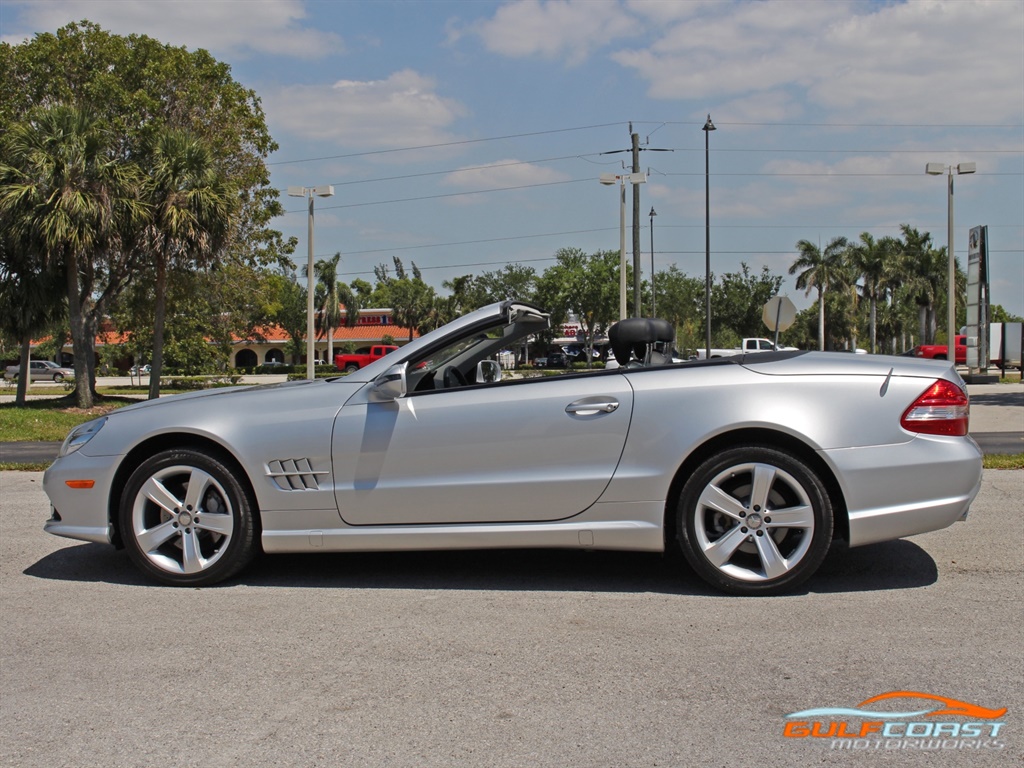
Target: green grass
(11,466)
(1004,461)
(47,420)
(50,420)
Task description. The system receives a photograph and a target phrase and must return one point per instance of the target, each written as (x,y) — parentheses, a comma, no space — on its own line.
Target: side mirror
(488,372)
(390,385)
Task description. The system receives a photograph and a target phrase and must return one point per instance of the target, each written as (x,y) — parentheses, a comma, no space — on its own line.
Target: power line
(445,195)
(463,142)
(586,155)
(442,196)
(460,142)
(466,169)
(504,262)
(567,233)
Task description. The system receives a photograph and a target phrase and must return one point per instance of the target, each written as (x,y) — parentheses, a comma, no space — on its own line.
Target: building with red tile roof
(269,343)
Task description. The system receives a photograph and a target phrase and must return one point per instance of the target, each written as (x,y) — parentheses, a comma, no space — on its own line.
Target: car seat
(642,341)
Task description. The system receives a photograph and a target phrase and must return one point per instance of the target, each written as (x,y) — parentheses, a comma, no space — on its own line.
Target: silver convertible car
(749,466)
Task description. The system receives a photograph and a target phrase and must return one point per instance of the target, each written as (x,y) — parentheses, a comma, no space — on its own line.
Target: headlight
(81,435)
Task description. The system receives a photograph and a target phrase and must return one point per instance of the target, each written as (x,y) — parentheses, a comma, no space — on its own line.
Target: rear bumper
(902,490)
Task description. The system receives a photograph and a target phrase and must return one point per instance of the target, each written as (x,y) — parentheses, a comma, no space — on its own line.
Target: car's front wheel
(754,520)
(186,520)
(58,378)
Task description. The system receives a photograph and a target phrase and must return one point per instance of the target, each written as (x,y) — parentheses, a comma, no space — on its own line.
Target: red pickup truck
(354,362)
(940,352)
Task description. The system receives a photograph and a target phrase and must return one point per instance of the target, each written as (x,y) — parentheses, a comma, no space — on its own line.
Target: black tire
(58,378)
(183,535)
(726,529)
(351,368)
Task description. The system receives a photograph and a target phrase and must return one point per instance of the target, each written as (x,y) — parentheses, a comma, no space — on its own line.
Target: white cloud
(888,63)
(502,173)
(569,29)
(222,26)
(403,110)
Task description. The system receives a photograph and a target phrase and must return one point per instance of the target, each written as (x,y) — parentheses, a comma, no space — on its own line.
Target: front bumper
(80,513)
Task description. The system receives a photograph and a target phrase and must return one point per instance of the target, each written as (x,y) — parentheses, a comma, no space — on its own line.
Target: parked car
(552,360)
(749,466)
(747,347)
(41,370)
(941,351)
(137,371)
(355,361)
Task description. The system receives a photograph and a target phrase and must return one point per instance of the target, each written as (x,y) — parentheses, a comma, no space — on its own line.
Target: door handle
(589,406)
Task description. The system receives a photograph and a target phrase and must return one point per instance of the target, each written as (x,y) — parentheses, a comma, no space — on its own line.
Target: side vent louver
(294,474)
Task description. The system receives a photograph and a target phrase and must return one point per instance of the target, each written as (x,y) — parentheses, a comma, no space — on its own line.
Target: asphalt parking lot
(499,659)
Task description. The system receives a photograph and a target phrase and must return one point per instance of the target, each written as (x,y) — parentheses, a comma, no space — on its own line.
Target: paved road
(547,659)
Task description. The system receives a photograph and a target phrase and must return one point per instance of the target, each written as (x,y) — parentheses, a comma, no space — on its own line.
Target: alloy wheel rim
(182,519)
(754,522)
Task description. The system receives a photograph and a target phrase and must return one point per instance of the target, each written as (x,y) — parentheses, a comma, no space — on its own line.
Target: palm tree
(822,270)
(65,191)
(869,259)
(191,206)
(925,268)
(30,298)
(329,313)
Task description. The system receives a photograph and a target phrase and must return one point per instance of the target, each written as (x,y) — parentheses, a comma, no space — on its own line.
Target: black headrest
(634,334)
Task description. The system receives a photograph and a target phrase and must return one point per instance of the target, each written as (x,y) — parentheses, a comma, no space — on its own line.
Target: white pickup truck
(748,346)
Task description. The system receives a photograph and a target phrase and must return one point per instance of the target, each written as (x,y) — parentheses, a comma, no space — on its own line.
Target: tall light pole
(654,299)
(708,127)
(311,193)
(936,169)
(608,179)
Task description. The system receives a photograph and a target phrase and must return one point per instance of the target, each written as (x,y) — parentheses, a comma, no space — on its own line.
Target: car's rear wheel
(186,520)
(754,520)
(351,368)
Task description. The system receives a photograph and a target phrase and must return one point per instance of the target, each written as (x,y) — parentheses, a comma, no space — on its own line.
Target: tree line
(123,162)
(135,197)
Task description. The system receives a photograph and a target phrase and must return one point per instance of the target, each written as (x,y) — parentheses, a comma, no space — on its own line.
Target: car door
(535,450)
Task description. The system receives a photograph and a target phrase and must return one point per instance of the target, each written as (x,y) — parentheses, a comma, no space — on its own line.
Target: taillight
(942,409)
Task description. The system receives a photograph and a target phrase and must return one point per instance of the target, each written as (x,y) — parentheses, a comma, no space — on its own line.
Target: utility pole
(636,228)
(636,149)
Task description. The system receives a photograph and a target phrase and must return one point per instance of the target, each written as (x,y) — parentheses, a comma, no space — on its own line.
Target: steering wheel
(453,377)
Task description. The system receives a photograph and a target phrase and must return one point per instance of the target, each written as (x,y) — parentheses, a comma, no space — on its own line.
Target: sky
(464,136)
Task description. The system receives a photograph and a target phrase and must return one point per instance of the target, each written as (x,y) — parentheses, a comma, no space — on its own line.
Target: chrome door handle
(587,407)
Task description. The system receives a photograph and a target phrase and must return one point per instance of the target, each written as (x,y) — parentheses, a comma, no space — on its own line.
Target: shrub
(195,383)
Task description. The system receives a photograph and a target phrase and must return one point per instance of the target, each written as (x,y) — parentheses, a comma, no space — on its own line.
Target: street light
(708,127)
(936,169)
(654,300)
(608,179)
(310,192)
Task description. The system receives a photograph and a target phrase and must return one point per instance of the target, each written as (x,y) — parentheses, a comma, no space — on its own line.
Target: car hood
(242,391)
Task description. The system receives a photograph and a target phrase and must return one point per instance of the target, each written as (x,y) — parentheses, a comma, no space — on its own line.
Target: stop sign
(779,313)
